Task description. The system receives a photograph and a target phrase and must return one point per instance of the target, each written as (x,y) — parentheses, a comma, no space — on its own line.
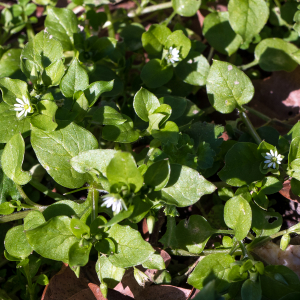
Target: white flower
(114,202)
(273,159)
(23,107)
(173,55)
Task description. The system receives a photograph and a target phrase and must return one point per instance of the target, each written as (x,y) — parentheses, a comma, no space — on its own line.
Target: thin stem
(234,248)
(275,235)
(94,194)
(28,201)
(247,66)
(220,184)
(210,54)
(149,9)
(266,118)
(14,217)
(205,252)
(29,280)
(36,184)
(111,30)
(250,127)
(169,19)
(277,3)
(224,231)
(5,4)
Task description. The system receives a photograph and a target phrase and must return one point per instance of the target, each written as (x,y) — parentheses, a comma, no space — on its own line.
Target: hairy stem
(94,194)
(36,184)
(28,201)
(250,127)
(250,65)
(149,9)
(111,30)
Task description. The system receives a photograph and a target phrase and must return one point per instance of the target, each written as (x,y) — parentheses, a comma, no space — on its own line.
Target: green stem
(28,201)
(204,252)
(149,9)
(30,285)
(14,217)
(169,19)
(220,184)
(36,184)
(224,231)
(5,4)
(275,235)
(94,194)
(234,248)
(208,110)
(247,66)
(250,127)
(111,30)
(277,3)
(266,118)
(210,54)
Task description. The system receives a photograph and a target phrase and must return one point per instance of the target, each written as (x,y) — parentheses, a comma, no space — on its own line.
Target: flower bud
(150,223)
(140,277)
(284,242)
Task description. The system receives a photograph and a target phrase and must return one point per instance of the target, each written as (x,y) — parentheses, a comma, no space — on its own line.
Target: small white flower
(273,159)
(23,107)
(173,55)
(114,202)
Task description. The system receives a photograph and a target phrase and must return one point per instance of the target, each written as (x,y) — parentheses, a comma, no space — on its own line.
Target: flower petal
(20,101)
(18,108)
(267,161)
(274,165)
(270,164)
(20,113)
(272,153)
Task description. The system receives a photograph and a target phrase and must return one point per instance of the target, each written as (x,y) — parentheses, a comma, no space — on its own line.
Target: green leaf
(6,209)
(158,175)
(42,279)
(248,17)
(76,79)
(193,234)
(107,115)
(275,54)
(45,54)
(16,243)
(179,41)
(12,160)
(94,90)
(79,254)
(10,64)
(8,188)
(79,228)
(178,105)
(271,185)
(12,89)
(242,163)
(194,69)
(33,220)
(55,149)
(123,133)
(238,216)
(90,160)
(154,39)
(186,8)
(154,74)
(219,34)
(260,221)
(145,103)
(155,261)
(62,24)
(213,266)
(132,35)
(185,187)
(294,150)
(53,239)
(132,250)
(46,119)
(122,168)
(168,133)
(251,290)
(65,208)
(228,87)
(206,132)
(108,273)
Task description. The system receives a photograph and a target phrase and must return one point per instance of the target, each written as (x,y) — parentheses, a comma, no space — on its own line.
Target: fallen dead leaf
(111,295)
(286,192)
(277,96)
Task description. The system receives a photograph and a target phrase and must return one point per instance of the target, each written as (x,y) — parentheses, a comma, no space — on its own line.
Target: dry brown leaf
(286,192)
(277,96)
(111,295)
